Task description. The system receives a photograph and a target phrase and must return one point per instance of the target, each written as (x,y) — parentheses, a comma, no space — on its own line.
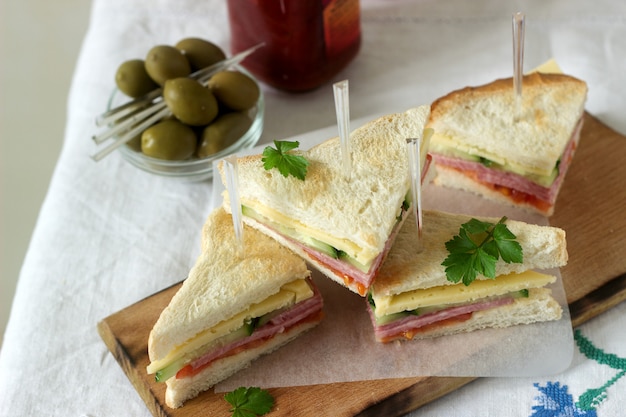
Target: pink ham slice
(297,313)
(350,272)
(405,326)
(514,181)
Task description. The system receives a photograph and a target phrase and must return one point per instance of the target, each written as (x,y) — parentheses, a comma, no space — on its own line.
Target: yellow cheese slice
(549,67)
(362,255)
(460,293)
(289,294)
(445,145)
(300,288)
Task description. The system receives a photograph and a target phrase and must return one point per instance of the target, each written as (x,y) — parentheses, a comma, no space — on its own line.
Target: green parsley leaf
(287,163)
(477,248)
(249,402)
(510,250)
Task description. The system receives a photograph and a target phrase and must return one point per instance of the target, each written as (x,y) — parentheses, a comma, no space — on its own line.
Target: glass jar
(307,42)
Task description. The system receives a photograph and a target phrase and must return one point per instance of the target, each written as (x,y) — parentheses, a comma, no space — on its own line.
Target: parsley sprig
(476,249)
(249,402)
(287,163)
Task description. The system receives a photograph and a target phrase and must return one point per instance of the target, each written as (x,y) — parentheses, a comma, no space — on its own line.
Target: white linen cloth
(109,235)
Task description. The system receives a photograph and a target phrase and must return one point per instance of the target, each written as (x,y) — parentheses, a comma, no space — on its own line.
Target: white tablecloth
(109,235)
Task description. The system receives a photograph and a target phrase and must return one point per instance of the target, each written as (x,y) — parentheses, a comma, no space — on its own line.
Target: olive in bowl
(229,131)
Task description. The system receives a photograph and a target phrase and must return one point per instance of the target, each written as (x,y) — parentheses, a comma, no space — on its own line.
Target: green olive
(234,89)
(133,80)
(200,53)
(169,139)
(135,143)
(190,101)
(164,62)
(222,133)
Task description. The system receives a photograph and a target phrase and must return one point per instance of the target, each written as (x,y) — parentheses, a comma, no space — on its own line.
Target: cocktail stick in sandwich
(415,297)
(343,226)
(230,310)
(481,145)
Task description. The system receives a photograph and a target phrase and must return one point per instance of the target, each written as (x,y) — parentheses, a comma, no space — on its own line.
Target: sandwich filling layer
(334,257)
(402,316)
(297,302)
(521,184)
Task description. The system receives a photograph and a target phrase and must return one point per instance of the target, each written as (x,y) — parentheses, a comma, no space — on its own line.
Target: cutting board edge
(125,361)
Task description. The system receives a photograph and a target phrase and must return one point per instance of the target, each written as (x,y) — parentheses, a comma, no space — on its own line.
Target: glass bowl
(194,169)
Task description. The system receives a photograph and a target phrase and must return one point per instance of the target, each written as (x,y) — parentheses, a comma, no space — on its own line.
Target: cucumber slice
(348,259)
(542,180)
(486,162)
(173,367)
(170,370)
(307,240)
(265,318)
(318,245)
(520,294)
(432,309)
(250,325)
(392,317)
(545,180)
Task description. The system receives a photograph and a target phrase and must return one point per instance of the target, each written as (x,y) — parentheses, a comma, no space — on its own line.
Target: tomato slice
(515,195)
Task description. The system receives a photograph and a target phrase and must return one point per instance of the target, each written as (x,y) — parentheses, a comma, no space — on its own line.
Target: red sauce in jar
(307,42)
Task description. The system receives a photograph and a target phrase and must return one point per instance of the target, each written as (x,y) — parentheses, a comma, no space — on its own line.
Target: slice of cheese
(460,293)
(445,145)
(548,67)
(280,221)
(289,294)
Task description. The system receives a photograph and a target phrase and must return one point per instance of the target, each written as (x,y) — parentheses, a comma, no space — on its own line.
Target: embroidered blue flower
(555,401)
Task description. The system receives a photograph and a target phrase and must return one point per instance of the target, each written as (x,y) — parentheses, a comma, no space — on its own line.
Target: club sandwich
(230,310)
(485,144)
(343,225)
(412,297)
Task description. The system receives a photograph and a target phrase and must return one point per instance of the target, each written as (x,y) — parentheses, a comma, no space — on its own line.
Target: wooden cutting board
(589,209)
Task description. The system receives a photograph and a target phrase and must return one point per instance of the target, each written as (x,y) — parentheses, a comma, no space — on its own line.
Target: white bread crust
(544,247)
(221,284)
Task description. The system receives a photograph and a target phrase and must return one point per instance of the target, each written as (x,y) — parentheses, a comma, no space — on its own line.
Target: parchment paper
(342,348)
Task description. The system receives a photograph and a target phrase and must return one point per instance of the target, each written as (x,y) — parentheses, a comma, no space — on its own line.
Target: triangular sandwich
(413,298)
(483,144)
(343,226)
(230,310)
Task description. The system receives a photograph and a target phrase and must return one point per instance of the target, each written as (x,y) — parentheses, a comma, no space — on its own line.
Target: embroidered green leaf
(594,396)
